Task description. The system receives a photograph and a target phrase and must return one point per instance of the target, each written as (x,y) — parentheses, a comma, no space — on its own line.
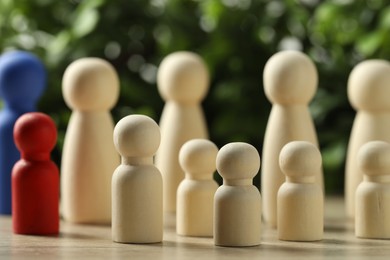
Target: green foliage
(235,37)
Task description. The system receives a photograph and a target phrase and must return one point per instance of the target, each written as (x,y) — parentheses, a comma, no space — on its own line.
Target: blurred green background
(235,37)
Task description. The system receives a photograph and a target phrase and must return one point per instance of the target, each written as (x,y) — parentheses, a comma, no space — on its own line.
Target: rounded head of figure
(22,79)
(183,77)
(137,136)
(299,159)
(238,161)
(369,86)
(290,78)
(90,84)
(374,158)
(35,135)
(197,158)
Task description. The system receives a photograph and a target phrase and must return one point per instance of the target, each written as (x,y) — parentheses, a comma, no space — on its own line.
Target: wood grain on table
(94,242)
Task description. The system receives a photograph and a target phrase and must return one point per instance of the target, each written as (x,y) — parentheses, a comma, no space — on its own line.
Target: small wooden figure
(373,193)
(290,82)
(91,89)
(237,203)
(183,83)
(35,178)
(368,93)
(137,204)
(300,198)
(195,195)
(22,82)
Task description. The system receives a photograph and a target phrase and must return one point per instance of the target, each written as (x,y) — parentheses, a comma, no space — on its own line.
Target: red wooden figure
(35,178)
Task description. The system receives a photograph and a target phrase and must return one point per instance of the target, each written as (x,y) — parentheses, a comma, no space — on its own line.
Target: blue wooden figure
(22,82)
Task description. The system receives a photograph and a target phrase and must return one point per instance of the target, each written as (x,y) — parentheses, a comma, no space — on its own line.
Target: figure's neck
(20,107)
(238,182)
(300,179)
(183,104)
(36,156)
(137,160)
(377,178)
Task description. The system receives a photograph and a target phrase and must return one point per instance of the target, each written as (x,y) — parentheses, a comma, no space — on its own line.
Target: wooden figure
(183,83)
(35,178)
(237,203)
(195,195)
(368,93)
(22,82)
(137,205)
(91,89)
(373,193)
(290,82)
(300,200)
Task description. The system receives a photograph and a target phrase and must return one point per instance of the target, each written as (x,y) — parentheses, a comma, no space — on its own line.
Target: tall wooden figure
(290,82)
(237,203)
(373,193)
(35,178)
(22,82)
(183,83)
(90,88)
(300,200)
(137,210)
(195,195)
(368,93)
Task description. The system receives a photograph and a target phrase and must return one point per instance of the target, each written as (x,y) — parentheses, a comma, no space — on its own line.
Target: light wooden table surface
(94,242)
